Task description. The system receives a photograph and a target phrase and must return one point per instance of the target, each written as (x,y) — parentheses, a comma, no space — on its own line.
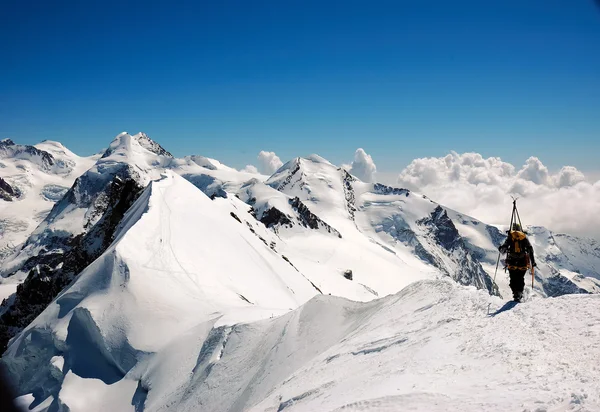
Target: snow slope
(211,176)
(179,260)
(39,175)
(421,235)
(324,252)
(79,228)
(434,346)
(404,224)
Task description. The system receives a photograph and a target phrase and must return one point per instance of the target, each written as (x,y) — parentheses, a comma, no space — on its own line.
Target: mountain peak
(55,148)
(7,142)
(318,159)
(125,144)
(53,143)
(151,145)
(297,162)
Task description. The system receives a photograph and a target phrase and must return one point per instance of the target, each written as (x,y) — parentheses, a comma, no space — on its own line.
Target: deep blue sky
(225,79)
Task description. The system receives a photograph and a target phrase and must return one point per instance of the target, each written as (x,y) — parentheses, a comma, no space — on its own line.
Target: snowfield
(41,174)
(165,284)
(435,346)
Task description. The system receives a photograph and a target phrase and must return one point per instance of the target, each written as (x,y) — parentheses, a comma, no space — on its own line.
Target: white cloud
(250,169)
(569,176)
(535,171)
(268,162)
(469,183)
(363,166)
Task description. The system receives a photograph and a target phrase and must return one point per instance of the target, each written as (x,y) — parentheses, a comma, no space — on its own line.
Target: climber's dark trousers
(517,282)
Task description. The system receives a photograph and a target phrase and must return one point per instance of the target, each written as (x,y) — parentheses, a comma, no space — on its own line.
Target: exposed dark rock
(6,191)
(496,235)
(310,281)
(559,285)
(443,228)
(309,219)
(274,217)
(349,195)
(242,297)
(9,149)
(425,256)
(468,270)
(381,189)
(233,215)
(291,175)
(348,274)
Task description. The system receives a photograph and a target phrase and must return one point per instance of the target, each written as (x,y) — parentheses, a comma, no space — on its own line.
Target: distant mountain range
(108,262)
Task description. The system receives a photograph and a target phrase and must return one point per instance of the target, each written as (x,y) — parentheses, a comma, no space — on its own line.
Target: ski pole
(496,272)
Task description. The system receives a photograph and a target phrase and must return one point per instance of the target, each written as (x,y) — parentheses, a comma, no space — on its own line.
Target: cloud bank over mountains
(482,188)
(566,201)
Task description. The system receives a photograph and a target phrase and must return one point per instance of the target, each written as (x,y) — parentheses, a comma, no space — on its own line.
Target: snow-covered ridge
(175,239)
(434,346)
(8,149)
(142,288)
(78,229)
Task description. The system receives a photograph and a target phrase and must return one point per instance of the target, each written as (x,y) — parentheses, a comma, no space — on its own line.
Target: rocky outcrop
(309,219)
(455,259)
(381,189)
(275,219)
(349,195)
(294,170)
(6,191)
(62,258)
(8,149)
(78,229)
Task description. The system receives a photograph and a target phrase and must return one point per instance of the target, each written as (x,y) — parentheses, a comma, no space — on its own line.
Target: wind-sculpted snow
(78,229)
(175,239)
(434,346)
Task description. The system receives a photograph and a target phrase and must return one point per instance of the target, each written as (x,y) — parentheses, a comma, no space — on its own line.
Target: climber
(518,260)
